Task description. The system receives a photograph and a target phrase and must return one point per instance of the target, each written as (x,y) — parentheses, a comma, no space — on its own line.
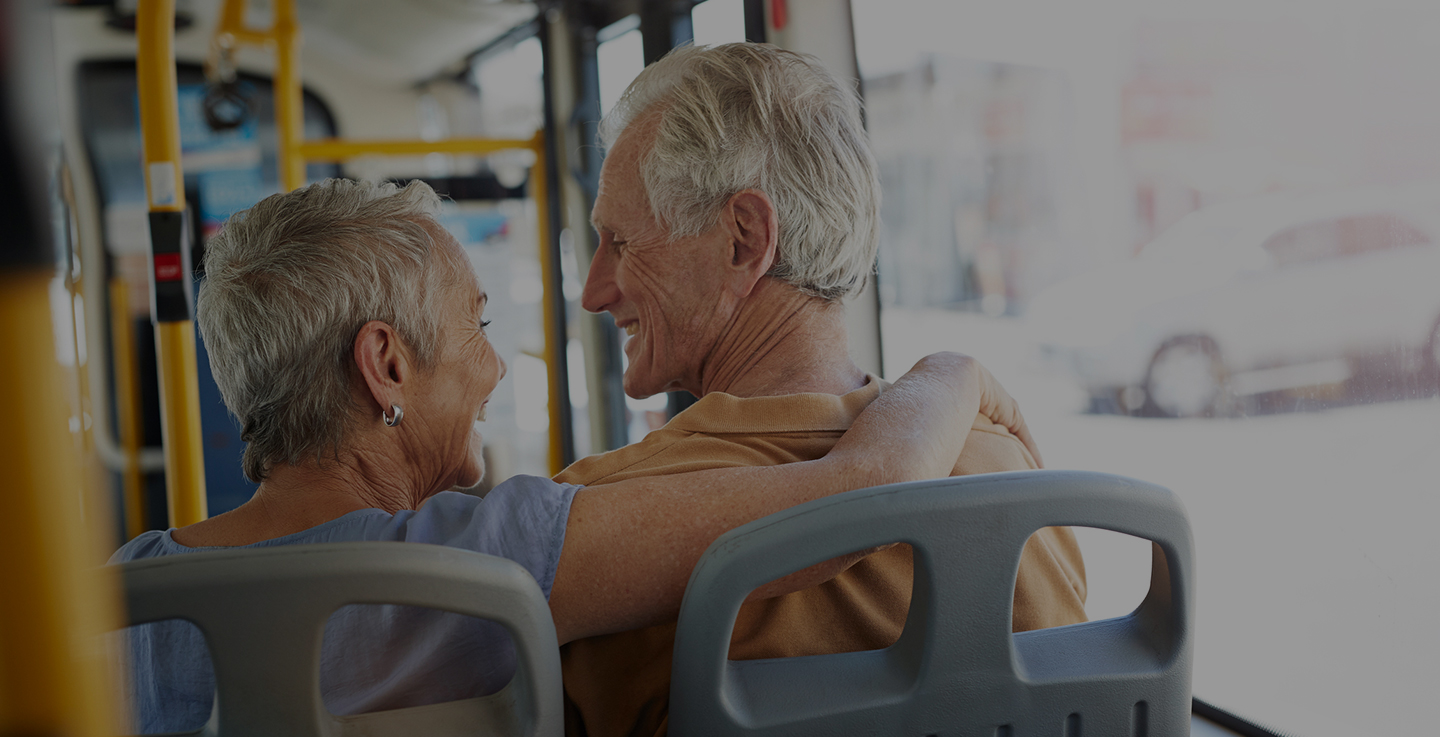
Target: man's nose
(600,290)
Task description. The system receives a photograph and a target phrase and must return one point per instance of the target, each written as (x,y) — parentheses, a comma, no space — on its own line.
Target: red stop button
(168,267)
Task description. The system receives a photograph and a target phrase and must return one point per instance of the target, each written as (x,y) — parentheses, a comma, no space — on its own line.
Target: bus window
(1197,243)
(621,57)
(719,22)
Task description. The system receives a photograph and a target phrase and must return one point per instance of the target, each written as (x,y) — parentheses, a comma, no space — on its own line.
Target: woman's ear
(750,222)
(383,364)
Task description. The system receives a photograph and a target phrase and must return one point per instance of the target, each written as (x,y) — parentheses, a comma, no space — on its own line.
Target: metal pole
(603,360)
(664,24)
(545,189)
(172,289)
(755,22)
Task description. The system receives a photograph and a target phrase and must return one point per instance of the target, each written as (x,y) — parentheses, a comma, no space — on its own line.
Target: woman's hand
(965,375)
(917,428)
(630,546)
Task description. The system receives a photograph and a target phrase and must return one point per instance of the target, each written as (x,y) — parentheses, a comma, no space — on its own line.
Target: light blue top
(373,657)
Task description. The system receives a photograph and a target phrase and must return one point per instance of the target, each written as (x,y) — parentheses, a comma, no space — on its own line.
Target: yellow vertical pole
(159,116)
(232,15)
(56,602)
(98,507)
(289,97)
(549,275)
(180,423)
(174,326)
(127,407)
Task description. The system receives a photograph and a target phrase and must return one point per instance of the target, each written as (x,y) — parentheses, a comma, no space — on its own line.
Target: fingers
(1023,433)
(1002,409)
(963,373)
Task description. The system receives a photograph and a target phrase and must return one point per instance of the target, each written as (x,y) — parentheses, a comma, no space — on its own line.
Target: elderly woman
(346,331)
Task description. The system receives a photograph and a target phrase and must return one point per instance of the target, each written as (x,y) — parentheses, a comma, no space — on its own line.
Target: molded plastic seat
(263,612)
(956,669)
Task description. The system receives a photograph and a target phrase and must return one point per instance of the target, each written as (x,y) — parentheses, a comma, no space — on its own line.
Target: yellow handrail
(56,601)
(289,95)
(549,279)
(127,407)
(165,189)
(337,149)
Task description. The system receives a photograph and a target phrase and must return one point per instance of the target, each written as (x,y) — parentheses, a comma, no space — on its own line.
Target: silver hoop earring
(393,421)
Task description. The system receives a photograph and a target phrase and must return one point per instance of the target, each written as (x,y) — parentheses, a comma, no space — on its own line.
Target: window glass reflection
(1198,243)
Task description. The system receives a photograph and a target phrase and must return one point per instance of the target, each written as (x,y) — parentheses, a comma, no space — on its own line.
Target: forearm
(632,545)
(812,576)
(917,429)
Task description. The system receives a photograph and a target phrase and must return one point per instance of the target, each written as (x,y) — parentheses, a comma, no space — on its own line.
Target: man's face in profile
(668,295)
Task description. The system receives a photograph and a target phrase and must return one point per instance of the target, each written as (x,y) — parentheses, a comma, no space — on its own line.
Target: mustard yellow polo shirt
(619,684)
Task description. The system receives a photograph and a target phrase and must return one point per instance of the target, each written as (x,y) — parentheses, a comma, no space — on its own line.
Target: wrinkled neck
(782,342)
(356,479)
(296,498)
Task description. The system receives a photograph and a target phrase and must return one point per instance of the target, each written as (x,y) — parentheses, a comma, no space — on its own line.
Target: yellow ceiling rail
(171,290)
(338,149)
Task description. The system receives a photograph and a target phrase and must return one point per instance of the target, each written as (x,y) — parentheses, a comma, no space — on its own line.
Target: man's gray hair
(754,116)
(288,285)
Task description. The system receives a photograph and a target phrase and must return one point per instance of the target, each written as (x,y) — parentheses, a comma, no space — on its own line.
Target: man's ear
(383,364)
(749,221)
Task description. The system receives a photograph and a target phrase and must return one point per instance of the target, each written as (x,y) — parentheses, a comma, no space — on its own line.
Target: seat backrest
(263,612)
(956,669)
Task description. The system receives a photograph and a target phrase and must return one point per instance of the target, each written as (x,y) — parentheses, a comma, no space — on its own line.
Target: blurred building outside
(980,160)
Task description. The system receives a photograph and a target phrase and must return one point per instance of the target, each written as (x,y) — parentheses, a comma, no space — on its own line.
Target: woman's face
(465,374)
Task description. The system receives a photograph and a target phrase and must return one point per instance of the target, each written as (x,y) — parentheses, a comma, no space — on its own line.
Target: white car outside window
(1251,298)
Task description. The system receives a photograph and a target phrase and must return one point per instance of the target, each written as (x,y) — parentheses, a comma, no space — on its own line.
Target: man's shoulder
(603,467)
(723,431)
(664,452)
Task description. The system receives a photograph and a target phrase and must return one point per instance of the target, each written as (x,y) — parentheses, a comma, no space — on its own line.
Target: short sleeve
(523,519)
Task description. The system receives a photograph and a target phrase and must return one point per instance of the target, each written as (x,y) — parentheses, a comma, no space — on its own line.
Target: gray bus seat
(263,612)
(956,669)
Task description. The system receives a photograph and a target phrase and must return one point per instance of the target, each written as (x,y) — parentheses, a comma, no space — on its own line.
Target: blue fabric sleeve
(523,519)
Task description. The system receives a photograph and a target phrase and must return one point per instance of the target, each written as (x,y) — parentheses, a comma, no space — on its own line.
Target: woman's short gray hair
(288,284)
(754,116)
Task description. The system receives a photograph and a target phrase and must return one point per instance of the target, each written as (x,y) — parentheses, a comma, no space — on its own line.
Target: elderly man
(738,205)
